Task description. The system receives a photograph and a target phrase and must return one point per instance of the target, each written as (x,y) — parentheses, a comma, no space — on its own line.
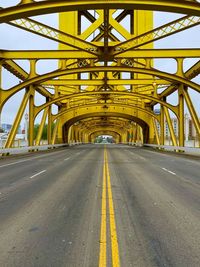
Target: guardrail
(189,150)
(6,151)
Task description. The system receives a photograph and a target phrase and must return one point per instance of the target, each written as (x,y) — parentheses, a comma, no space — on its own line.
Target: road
(100,206)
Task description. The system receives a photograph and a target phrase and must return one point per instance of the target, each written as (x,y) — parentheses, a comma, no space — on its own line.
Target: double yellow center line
(107,196)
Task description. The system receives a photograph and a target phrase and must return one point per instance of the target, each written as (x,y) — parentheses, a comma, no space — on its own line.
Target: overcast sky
(16,39)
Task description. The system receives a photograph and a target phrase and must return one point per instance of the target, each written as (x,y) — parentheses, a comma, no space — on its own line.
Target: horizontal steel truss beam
(98,82)
(115,94)
(104,126)
(157,34)
(59,73)
(189,74)
(16,70)
(107,121)
(55,35)
(71,54)
(110,108)
(30,8)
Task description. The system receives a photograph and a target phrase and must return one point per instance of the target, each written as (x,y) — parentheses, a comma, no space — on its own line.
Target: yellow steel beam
(156,131)
(157,34)
(189,74)
(55,35)
(20,73)
(97,82)
(12,134)
(30,8)
(49,125)
(171,128)
(192,111)
(15,69)
(104,122)
(89,111)
(115,94)
(146,71)
(181,120)
(160,53)
(120,28)
(73,54)
(41,127)
(162,124)
(51,54)
(31,117)
(98,129)
(55,130)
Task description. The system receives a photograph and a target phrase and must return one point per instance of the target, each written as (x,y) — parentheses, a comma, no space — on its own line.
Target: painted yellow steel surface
(106,82)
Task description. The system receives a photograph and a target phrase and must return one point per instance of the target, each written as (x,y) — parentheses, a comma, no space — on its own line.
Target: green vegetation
(1,130)
(44,133)
(99,139)
(103,140)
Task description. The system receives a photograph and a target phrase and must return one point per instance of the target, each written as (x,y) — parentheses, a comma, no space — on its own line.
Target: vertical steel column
(69,134)
(40,131)
(18,118)
(192,111)
(171,128)
(32,74)
(72,134)
(156,131)
(49,125)
(162,125)
(55,130)
(141,135)
(135,134)
(31,118)
(181,122)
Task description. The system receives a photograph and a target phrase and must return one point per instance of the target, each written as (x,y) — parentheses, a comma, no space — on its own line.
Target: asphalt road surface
(100,206)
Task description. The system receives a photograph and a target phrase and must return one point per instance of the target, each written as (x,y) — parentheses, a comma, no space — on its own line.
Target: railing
(6,151)
(190,150)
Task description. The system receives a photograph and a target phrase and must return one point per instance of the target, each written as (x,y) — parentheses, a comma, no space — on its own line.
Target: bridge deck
(52,208)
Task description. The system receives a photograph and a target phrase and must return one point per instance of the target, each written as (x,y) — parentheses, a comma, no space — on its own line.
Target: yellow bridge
(106,81)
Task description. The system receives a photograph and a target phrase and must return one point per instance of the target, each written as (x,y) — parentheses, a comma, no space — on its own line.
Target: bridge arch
(32,8)
(118,98)
(72,118)
(146,71)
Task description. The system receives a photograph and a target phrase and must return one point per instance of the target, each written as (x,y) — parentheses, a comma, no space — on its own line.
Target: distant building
(190,131)
(7,127)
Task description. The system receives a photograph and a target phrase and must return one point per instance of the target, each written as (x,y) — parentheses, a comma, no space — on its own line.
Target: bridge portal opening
(104,139)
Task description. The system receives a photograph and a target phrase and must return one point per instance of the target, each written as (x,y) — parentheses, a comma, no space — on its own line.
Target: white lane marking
(25,160)
(13,163)
(173,173)
(66,159)
(37,174)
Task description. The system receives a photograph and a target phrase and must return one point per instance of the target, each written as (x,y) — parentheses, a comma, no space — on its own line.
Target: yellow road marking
(103,245)
(113,230)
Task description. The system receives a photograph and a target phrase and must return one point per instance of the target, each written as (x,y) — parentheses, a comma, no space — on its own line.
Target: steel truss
(103,102)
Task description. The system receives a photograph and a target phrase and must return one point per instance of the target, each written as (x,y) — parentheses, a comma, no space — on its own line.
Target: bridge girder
(103,91)
(28,8)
